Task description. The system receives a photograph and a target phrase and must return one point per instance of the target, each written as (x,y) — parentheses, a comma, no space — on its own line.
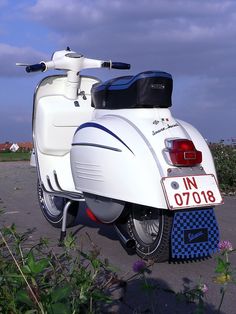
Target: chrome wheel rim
(54,204)
(147,223)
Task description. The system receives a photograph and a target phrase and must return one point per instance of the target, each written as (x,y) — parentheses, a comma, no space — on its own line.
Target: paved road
(19,200)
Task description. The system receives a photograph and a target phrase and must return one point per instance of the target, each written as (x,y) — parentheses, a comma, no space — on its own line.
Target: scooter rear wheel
(52,208)
(151,230)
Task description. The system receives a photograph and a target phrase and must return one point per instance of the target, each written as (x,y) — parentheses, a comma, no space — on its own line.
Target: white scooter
(116,146)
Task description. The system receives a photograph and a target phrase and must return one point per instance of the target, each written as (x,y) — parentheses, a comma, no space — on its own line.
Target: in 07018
(191,191)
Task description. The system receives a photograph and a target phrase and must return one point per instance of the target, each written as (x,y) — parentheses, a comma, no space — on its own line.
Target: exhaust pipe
(128,242)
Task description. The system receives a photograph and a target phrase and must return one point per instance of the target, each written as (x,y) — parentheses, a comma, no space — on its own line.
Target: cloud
(194,40)
(189,37)
(3,3)
(9,55)
(208,103)
(198,96)
(104,11)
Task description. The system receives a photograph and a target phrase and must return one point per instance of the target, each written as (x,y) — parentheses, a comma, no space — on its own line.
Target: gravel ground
(18,198)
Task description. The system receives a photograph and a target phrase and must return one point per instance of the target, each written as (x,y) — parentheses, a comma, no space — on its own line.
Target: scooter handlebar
(36,67)
(116,65)
(61,64)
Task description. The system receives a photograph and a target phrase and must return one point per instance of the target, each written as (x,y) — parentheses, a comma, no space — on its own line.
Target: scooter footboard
(195,234)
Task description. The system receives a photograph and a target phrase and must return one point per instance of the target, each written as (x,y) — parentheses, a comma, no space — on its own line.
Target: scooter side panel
(55,119)
(110,158)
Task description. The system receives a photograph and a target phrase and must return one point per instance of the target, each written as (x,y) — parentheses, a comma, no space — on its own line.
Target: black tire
(52,208)
(151,230)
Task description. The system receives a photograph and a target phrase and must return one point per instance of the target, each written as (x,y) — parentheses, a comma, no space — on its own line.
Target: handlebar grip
(36,67)
(116,65)
(120,65)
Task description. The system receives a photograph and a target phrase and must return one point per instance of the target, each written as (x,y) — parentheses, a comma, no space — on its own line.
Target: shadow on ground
(132,298)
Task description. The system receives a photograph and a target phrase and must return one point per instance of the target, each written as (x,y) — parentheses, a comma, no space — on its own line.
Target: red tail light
(183,153)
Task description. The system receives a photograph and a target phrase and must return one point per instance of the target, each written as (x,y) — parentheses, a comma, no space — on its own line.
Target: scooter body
(116,146)
(119,155)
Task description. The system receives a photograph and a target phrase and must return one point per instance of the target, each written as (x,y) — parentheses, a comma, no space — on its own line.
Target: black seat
(151,89)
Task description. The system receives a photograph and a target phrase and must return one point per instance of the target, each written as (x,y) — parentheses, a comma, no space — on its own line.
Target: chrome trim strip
(49,184)
(56,180)
(65,191)
(74,197)
(97,145)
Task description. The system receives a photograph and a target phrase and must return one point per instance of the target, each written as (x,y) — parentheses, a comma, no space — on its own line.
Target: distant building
(14,147)
(5,147)
(23,146)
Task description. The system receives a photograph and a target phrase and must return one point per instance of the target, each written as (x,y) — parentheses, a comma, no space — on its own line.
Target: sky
(194,40)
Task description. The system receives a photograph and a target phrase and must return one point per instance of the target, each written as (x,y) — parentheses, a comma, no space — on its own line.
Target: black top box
(151,89)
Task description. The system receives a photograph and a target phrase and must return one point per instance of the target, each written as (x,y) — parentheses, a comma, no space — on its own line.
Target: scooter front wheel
(151,230)
(52,208)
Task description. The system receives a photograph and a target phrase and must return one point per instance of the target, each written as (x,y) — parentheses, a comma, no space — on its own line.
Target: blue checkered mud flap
(195,234)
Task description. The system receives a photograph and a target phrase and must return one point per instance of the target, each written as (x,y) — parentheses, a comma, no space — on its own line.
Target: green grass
(17,156)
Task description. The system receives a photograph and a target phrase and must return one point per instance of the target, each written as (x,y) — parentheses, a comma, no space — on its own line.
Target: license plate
(191,191)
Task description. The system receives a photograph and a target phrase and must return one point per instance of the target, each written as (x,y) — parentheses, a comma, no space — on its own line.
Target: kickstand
(63,227)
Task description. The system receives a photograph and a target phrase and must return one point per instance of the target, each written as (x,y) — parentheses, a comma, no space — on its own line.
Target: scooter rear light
(182,152)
